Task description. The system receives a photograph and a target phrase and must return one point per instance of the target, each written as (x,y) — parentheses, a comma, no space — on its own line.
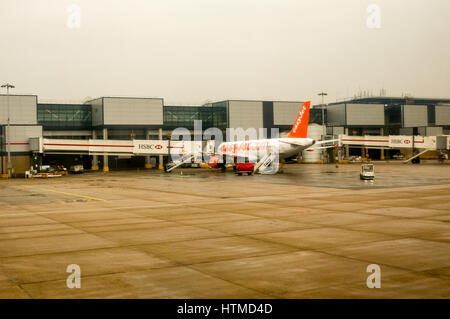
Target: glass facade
(184,116)
(315,116)
(2,140)
(393,115)
(79,116)
(64,116)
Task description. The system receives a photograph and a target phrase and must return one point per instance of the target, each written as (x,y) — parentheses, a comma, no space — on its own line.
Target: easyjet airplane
(284,147)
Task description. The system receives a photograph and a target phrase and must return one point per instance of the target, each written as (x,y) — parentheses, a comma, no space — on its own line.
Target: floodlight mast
(8,146)
(323,94)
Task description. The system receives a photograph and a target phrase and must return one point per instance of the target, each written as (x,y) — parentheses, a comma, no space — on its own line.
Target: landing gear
(223,168)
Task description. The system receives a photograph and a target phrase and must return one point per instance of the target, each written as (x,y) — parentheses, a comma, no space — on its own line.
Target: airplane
(271,150)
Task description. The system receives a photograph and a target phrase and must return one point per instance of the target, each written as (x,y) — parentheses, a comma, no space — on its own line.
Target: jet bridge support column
(382,149)
(94,157)
(148,163)
(347,151)
(160,162)
(105,157)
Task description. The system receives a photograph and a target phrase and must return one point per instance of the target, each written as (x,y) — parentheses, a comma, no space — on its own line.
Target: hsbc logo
(149,147)
(400,141)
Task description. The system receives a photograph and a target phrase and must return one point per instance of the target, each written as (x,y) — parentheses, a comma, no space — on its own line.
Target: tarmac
(310,232)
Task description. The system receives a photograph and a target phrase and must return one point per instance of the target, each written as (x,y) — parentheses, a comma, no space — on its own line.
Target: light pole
(324,132)
(322,94)
(8,86)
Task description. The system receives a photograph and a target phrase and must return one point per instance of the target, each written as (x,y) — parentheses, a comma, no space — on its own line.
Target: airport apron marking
(65,193)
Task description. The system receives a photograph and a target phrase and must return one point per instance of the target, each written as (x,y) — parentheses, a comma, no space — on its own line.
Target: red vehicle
(242,168)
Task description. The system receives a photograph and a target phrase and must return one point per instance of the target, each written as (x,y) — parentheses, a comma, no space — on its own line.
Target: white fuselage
(286,147)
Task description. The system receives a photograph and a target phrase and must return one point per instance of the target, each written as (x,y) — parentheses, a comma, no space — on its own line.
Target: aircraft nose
(314,142)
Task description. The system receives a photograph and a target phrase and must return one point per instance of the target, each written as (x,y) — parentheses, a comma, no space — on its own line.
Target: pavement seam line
(66,193)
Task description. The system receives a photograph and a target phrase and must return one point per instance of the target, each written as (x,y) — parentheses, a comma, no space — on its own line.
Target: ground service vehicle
(367,172)
(242,168)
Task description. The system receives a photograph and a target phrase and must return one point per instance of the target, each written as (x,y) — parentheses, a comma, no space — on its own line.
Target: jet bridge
(421,143)
(391,141)
(111,147)
(183,148)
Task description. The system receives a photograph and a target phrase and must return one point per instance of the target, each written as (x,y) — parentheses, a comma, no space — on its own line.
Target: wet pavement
(344,176)
(309,232)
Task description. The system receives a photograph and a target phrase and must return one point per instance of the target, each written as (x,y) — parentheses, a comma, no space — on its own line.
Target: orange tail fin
(300,128)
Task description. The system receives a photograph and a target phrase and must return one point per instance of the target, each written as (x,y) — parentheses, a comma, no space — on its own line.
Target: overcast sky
(193,51)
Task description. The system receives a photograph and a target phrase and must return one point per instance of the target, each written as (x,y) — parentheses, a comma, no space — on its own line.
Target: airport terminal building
(388,116)
(125,118)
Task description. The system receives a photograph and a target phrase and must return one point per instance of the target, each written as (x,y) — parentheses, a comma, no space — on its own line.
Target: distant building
(388,116)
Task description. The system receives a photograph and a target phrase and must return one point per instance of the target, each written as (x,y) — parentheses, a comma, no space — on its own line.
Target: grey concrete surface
(309,232)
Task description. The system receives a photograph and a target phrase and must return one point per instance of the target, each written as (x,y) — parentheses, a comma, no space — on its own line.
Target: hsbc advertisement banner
(151,147)
(400,141)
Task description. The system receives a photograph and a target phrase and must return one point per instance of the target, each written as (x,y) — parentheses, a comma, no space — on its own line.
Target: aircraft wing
(326,141)
(323,147)
(292,142)
(319,148)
